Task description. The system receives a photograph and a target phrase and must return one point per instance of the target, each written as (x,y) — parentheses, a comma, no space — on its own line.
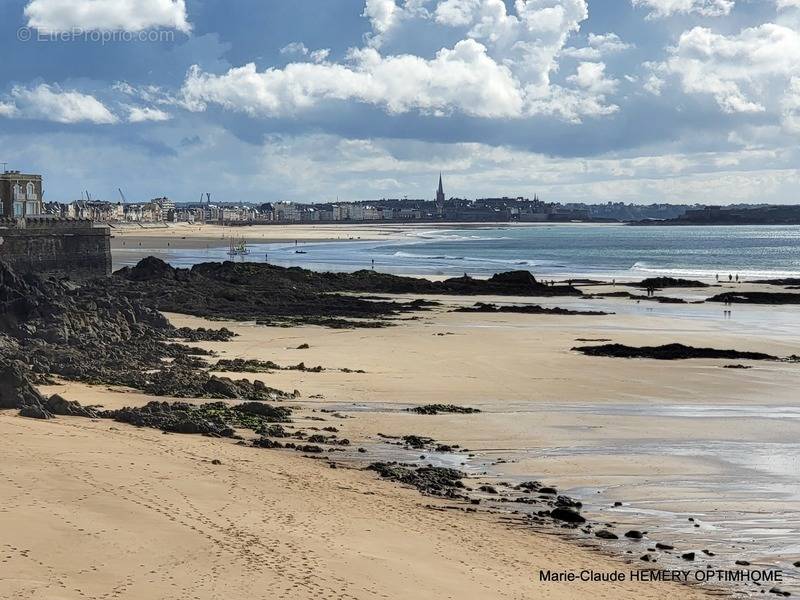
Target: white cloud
(742,71)
(591,76)
(501,69)
(782,4)
(597,47)
(382,14)
(295,48)
(460,79)
(142,114)
(106,15)
(300,49)
(528,41)
(7,109)
(790,106)
(666,8)
(50,103)
(654,85)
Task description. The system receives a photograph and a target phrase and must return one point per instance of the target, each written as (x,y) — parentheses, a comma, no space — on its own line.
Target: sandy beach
(270,520)
(683,450)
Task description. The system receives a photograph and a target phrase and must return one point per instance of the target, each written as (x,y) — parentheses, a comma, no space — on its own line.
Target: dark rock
(435,409)
(606,534)
(33,411)
(548,490)
(688,556)
(743,563)
(16,389)
(669,352)
(274,414)
(634,534)
(567,515)
(438,481)
(417,442)
(756,298)
(568,502)
(527,309)
(264,442)
(529,486)
(59,406)
(661,546)
(669,282)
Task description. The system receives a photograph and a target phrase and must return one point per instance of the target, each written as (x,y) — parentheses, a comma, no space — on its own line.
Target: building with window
(20,195)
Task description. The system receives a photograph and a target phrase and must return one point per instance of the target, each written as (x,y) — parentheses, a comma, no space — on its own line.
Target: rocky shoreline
(111,332)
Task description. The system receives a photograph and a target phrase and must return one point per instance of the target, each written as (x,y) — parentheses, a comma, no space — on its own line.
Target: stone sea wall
(73,248)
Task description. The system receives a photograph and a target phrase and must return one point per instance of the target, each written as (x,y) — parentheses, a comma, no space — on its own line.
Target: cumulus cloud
(591,76)
(740,71)
(382,14)
(501,69)
(143,114)
(55,16)
(597,47)
(50,103)
(790,106)
(460,79)
(654,84)
(300,49)
(666,8)
(528,40)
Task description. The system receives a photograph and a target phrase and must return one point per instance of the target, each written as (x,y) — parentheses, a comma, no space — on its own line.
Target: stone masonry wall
(62,247)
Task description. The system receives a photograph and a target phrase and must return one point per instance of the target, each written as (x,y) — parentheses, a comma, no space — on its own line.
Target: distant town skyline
(643,101)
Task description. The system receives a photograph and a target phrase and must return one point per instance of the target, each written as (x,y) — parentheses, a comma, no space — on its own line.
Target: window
(32,208)
(30,191)
(18,209)
(17,191)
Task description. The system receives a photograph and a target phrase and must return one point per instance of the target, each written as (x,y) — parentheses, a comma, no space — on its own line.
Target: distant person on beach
(737,278)
(717,277)
(730,277)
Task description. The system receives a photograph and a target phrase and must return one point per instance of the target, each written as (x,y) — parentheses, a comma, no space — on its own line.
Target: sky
(682,101)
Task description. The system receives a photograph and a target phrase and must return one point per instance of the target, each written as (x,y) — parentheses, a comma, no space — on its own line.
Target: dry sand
(104,510)
(99,510)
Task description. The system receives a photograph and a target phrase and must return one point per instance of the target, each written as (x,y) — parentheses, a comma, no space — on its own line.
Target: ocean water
(572,250)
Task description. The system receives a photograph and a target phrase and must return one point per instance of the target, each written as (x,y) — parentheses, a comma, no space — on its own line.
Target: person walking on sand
(717,277)
(737,278)
(730,277)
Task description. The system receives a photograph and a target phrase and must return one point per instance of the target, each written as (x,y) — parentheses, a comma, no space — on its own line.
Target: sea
(547,250)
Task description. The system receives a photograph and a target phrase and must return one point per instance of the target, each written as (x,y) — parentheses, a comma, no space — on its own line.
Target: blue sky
(310,100)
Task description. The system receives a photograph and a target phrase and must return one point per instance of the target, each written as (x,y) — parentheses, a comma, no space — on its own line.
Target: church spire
(440,191)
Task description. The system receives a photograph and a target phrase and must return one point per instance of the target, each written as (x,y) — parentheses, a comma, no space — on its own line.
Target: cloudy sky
(310,100)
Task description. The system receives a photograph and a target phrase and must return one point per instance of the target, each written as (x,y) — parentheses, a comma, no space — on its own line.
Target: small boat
(300,252)
(238,249)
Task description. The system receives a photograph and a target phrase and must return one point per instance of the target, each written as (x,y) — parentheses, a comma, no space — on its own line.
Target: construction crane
(124,199)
